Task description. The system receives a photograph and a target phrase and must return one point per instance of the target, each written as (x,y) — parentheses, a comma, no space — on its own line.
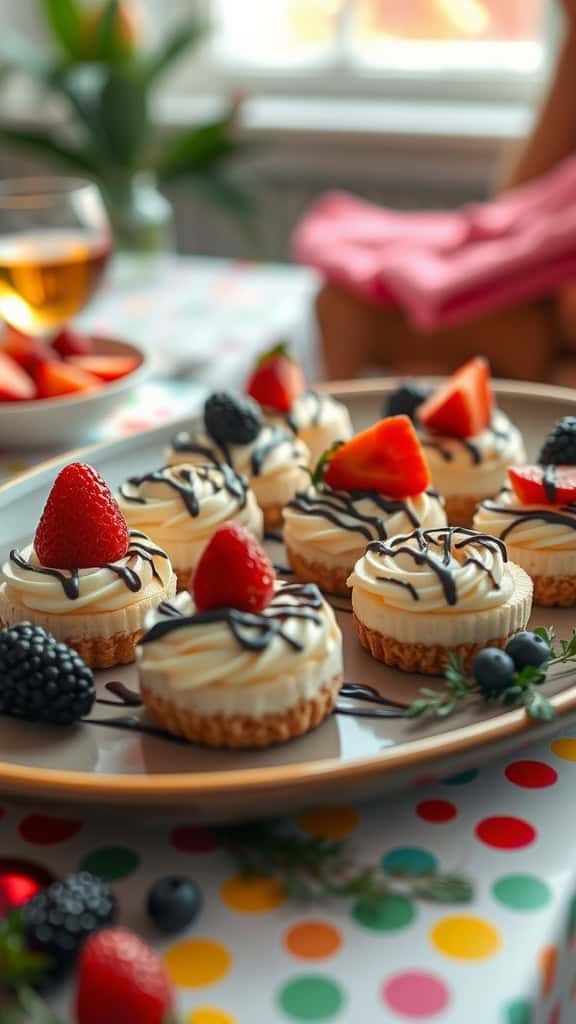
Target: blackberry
(41,679)
(59,919)
(231,419)
(559,448)
(405,400)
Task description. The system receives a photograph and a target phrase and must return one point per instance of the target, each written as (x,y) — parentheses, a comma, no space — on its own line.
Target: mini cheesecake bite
(87,578)
(181,507)
(233,433)
(277,384)
(419,598)
(468,443)
(245,661)
(535,514)
(372,487)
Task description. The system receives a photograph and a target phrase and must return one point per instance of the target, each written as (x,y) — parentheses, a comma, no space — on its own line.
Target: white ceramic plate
(348,757)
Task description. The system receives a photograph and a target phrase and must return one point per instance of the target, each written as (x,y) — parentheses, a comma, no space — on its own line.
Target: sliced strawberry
(106,367)
(386,458)
(277,380)
(82,525)
(544,485)
(15,385)
(463,406)
(233,572)
(53,379)
(72,343)
(25,350)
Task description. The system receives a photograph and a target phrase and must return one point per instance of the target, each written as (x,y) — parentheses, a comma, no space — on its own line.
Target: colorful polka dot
(564,748)
(193,839)
(465,938)
(531,774)
(210,1015)
(436,811)
(311,998)
(506,833)
(416,994)
(111,862)
(462,779)
(41,830)
(253,895)
(522,892)
(330,822)
(519,1012)
(389,914)
(313,940)
(194,963)
(409,860)
(548,964)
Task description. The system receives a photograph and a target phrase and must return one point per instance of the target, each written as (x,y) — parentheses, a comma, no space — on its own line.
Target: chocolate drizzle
(564,515)
(183,480)
(339,507)
(446,539)
(219,453)
(140,547)
(445,451)
(549,483)
(252,631)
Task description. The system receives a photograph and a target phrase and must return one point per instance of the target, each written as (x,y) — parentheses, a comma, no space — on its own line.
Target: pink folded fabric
(450,266)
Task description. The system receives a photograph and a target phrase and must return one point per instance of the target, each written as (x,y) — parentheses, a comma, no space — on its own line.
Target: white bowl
(69,419)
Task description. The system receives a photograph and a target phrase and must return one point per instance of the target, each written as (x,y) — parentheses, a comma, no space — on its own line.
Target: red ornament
(20,880)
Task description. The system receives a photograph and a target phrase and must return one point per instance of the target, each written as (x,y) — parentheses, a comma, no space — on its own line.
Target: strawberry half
(54,379)
(71,343)
(82,525)
(25,350)
(121,980)
(107,368)
(15,385)
(233,572)
(544,485)
(277,381)
(386,458)
(463,406)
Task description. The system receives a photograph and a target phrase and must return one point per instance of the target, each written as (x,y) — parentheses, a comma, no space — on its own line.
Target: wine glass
(55,241)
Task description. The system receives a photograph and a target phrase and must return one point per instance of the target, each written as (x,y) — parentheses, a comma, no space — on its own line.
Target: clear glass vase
(143,224)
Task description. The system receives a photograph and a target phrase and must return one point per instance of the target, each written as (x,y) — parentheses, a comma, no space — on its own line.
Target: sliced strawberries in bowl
(462,407)
(107,368)
(277,380)
(25,350)
(15,384)
(387,458)
(544,485)
(56,378)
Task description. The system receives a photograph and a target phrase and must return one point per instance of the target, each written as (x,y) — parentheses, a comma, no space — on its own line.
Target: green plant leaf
(538,706)
(181,39)
(123,117)
(63,17)
(108,45)
(199,148)
(43,142)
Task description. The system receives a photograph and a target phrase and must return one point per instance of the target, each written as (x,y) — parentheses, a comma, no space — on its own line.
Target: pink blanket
(450,266)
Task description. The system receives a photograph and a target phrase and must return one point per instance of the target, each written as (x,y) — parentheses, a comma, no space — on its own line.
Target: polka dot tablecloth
(509,957)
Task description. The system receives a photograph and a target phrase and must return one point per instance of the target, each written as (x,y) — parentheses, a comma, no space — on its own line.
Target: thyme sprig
(522,692)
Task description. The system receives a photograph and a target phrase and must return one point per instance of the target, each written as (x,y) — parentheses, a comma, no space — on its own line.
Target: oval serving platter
(363,751)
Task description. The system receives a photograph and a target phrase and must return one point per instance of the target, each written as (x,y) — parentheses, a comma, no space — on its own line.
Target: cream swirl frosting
(181,506)
(336,525)
(443,570)
(237,662)
(475,465)
(537,527)
(143,573)
(318,420)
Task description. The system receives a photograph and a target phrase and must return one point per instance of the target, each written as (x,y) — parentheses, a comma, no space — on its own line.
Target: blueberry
(405,400)
(173,903)
(493,670)
(528,648)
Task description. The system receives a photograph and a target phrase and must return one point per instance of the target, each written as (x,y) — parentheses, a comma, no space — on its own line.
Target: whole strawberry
(233,572)
(81,525)
(277,380)
(121,980)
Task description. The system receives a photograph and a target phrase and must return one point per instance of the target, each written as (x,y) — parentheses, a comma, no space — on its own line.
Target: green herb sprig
(314,869)
(522,692)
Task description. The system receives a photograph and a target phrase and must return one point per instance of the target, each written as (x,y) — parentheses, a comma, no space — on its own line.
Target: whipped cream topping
(181,506)
(339,524)
(227,649)
(534,527)
(442,570)
(474,465)
(318,420)
(143,573)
